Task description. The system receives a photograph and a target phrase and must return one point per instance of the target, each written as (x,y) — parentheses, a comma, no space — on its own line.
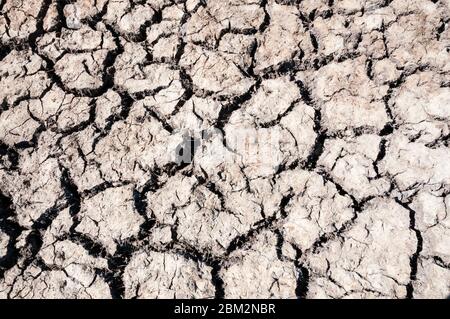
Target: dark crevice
(34,240)
(380,156)
(266,20)
(116,262)
(314,42)
(440,262)
(191,253)
(279,245)
(267,223)
(357,206)
(12,229)
(280,116)
(116,265)
(187,85)
(217,280)
(441,28)
(160,119)
(227,110)
(62,23)
(414,259)
(301,290)
(369,69)
(126,104)
(318,147)
(140,204)
(11,155)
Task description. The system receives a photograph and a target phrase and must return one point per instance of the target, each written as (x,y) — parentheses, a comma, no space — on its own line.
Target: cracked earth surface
(100,97)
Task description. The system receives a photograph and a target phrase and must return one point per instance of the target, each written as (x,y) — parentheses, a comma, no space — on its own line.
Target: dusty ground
(237,148)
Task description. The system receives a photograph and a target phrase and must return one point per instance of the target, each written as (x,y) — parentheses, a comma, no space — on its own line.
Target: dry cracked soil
(227,149)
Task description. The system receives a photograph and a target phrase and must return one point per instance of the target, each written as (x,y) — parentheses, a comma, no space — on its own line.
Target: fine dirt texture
(224,149)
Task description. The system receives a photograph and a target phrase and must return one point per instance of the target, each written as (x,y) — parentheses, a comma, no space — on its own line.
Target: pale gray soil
(236,149)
